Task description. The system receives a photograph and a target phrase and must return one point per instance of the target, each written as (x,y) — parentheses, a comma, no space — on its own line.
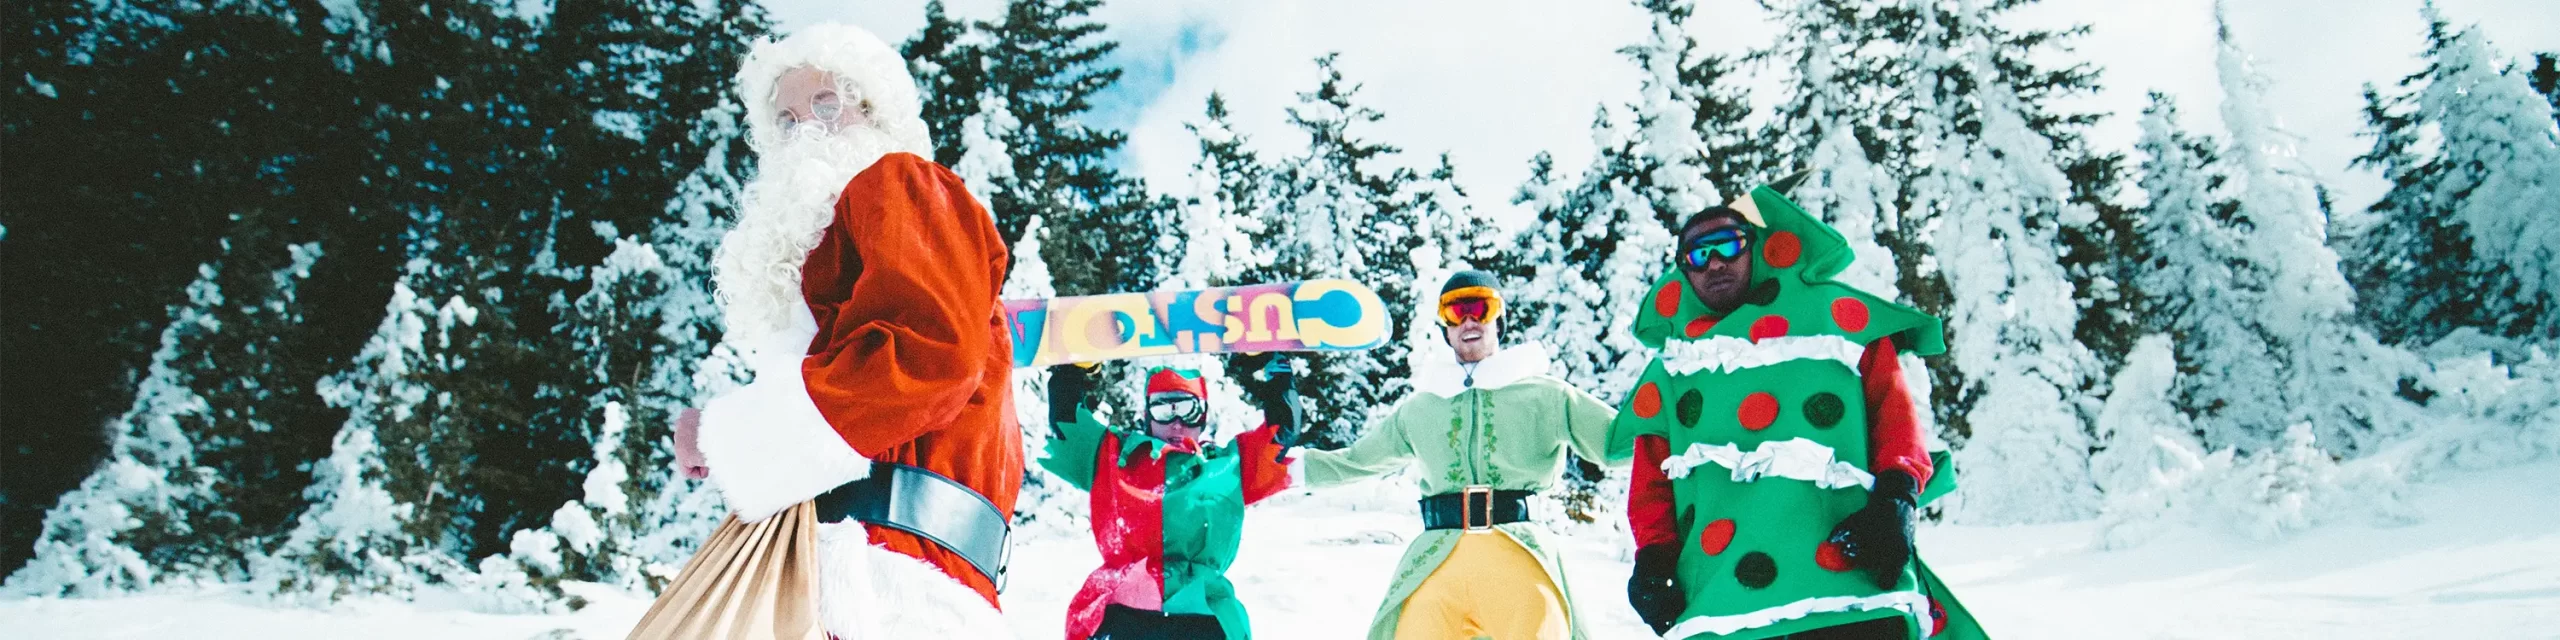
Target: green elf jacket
(1766,412)
(1506,425)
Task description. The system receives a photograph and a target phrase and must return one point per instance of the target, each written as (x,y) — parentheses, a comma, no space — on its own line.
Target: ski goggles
(1721,244)
(1472,303)
(1175,407)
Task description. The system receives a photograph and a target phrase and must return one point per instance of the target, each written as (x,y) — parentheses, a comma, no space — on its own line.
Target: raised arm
(1589,424)
(1380,451)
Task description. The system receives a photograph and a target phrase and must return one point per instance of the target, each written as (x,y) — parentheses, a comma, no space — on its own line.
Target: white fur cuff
(769,448)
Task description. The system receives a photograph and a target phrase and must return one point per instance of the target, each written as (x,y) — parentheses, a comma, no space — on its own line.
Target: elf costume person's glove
(1278,400)
(1654,590)
(1877,538)
(1068,385)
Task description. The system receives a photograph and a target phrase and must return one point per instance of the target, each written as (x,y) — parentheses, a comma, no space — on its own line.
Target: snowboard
(1308,315)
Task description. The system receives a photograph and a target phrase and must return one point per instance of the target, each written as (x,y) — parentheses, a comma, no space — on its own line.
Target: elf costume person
(1487,429)
(860,284)
(1779,448)
(1167,503)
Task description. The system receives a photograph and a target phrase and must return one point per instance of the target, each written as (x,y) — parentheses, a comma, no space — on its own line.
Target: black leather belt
(921,502)
(1474,508)
(1123,622)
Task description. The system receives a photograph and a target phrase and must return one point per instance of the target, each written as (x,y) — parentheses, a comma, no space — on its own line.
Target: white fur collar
(1446,378)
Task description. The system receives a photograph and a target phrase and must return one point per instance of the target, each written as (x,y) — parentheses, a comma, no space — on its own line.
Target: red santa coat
(909,362)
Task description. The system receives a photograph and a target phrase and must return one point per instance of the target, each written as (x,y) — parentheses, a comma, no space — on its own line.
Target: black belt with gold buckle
(1475,508)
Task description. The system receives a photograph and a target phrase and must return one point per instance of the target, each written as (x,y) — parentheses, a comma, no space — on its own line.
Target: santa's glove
(1068,385)
(1877,538)
(1654,590)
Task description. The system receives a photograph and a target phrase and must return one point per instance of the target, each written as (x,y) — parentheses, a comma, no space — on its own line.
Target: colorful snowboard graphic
(1311,315)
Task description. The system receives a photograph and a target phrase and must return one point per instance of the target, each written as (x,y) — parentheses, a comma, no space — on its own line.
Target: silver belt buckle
(1467,508)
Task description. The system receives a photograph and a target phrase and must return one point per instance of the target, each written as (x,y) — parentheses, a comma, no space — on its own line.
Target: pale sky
(1493,82)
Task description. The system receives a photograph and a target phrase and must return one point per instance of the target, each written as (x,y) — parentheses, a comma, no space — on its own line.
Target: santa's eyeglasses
(1722,244)
(1176,408)
(826,108)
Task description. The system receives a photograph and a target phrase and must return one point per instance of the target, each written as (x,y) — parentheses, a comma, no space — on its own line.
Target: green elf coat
(1765,412)
(1507,424)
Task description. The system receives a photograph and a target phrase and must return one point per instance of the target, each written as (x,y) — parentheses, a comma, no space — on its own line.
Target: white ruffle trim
(1906,601)
(1793,458)
(767,445)
(866,591)
(1446,378)
(1721,354)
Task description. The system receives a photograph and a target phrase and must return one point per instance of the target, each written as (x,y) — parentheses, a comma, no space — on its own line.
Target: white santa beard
(785,212)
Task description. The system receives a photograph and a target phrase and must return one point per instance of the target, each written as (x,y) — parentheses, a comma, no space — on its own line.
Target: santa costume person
(1167,503)
(1779,451)
(862,281)
(1486,427)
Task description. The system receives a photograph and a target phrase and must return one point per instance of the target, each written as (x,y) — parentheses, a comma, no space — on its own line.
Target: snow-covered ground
(2484,564)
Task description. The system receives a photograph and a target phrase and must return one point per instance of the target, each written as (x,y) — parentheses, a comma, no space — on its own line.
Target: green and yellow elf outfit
(1779,451)
(1485,436)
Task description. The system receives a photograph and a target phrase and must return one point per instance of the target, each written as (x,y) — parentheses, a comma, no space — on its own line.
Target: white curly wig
(865,67)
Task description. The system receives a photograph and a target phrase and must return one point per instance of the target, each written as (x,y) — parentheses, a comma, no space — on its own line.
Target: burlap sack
(749,582)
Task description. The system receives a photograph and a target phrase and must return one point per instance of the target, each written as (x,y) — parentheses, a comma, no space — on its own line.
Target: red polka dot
(1758,410)
(1699,326)
(1648,401)
(1936,618)
(1781,249)
(1768,327)
(1830,557)
(1716,537)
(1667,301)
(1850,314)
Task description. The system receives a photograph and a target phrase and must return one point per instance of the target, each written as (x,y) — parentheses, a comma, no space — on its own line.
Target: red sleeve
(1894,440)
(1263,476)
(903,353)
(1649,495)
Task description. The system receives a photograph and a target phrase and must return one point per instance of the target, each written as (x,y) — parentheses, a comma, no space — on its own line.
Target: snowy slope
(2485,564)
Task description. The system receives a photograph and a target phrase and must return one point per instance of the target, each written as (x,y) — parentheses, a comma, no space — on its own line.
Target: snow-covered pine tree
(2205,285)
(1348,218)
(645,332)
(160,509)
(1551,265)
(1999,197)
(1046,502)
(1449,222)
(2465,142)
(2333,376)
(2498,174)
(946,58)
(373,525)
(1818,126)
(1045,58)
(2147,455)
(2546,78)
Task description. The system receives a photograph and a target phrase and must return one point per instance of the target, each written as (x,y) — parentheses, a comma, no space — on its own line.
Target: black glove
(1654,590)
(1877,538)
(1068,385)
(1278,397)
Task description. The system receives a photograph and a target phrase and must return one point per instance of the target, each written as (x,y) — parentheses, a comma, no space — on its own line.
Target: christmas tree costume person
(1487,429)
(1167,506)
(1779,451)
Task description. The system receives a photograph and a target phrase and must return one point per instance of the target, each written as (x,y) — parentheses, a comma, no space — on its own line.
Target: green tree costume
(1506,425)
(1765,414)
